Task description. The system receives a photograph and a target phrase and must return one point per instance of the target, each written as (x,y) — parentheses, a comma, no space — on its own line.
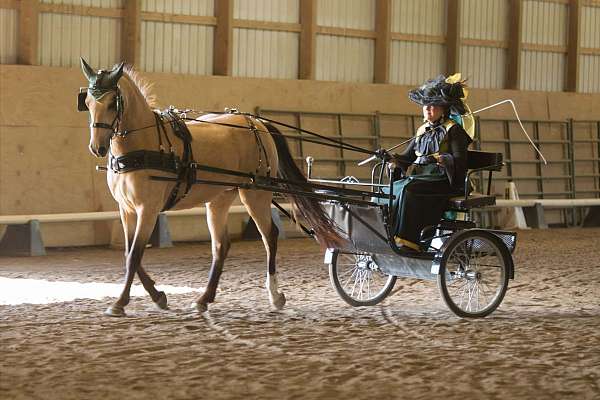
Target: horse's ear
(116,74)
(87,70)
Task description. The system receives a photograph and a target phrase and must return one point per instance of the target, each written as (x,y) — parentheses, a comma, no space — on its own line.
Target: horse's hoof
(199,307)
(161,302)
(115,311)
(278,301)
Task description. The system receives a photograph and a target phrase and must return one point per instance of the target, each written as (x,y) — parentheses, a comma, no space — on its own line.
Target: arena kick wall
(45,166)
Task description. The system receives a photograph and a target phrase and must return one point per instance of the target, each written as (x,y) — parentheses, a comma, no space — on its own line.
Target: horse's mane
(143,86)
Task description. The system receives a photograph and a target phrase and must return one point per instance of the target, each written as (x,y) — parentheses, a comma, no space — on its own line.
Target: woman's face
(432,113)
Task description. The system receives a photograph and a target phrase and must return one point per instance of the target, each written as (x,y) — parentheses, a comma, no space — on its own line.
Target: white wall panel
(265,54)
(419,17)
(344,59)
(89,3)
(590,27)
(484,67)
(545,22)
(589,74)
(63,38)
(180,7)
(412,63)
(9,25)
(178,48)
(484,19)
(542,71)
(267,10)
(589,64)
(354,14)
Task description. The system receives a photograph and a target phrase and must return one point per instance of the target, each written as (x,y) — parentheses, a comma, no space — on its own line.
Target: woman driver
(434,163)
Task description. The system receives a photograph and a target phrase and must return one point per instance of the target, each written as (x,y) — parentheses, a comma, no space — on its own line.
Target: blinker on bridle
(98,94)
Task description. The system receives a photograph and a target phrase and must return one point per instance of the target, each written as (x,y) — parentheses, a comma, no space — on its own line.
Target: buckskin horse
(143,143)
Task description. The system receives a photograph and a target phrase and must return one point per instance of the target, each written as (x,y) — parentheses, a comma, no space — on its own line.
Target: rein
(182,116)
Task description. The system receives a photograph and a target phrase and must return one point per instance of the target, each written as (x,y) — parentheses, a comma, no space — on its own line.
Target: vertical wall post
(131,32)
(29,11)
(383,27)
(223,45)
(453,37)
(515,21)
(574,46)
(308,39)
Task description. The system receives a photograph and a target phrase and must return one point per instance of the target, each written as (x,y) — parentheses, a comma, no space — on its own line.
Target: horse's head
(104,101)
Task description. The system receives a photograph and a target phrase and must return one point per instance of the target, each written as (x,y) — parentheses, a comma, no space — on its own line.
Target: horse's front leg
(128,220)
(135,244)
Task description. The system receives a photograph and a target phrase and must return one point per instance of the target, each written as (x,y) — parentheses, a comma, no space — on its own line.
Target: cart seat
(474,200)
(478,161)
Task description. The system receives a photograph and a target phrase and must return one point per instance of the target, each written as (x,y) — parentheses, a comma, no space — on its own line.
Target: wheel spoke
(475,279)
(359,280)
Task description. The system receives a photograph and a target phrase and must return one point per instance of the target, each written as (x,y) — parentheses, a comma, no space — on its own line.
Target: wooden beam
(496,44)
(515,21)
(29,11)
(131,32)
(179,19)
(453,37)
(574,46)
(548,48)
(383,30)
(308,39)
(590,51)
(408,37)
(346,32)
(9,4)
(223,43)
(70,9)
(267,25)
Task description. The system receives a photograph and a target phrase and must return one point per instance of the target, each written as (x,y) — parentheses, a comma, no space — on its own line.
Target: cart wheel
(358,280)
(473,274)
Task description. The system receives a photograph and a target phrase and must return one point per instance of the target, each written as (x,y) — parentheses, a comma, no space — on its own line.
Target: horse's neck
(138,118)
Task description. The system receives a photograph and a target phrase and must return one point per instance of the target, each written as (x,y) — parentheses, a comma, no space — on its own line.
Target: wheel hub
(472,275)
(366,264)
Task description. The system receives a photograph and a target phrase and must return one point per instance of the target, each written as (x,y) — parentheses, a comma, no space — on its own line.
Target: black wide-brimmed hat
(445,92)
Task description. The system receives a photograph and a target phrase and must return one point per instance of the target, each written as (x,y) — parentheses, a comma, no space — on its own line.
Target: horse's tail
(326,231)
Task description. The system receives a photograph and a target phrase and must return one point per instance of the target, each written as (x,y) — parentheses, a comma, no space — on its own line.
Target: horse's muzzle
(98,152)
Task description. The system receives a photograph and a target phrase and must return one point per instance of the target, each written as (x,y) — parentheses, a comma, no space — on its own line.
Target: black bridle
(118,105)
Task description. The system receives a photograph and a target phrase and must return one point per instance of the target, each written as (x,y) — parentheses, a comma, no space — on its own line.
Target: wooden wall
(45,166)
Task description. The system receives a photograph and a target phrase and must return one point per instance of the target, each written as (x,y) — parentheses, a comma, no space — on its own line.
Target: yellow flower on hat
(457,78)
(454,78)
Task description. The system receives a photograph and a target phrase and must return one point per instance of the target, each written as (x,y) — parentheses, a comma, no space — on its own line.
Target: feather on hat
(446,92)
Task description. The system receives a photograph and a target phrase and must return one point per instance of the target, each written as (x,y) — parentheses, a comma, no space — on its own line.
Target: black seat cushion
(474,200)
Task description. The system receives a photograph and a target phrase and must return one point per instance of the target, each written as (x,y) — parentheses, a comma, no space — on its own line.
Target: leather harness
(162,160)
(167,161)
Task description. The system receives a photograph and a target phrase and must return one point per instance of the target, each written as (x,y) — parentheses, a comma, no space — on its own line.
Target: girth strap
(145,159)
(187,174)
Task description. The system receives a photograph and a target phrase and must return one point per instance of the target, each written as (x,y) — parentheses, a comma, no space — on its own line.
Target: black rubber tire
(472,280)
(367,273)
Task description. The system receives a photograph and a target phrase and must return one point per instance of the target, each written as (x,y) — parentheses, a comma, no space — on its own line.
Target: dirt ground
(542,343)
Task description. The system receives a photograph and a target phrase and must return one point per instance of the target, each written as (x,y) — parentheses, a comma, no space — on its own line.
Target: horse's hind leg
(216,217)
(129,222)
(145,221)
(258,204)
